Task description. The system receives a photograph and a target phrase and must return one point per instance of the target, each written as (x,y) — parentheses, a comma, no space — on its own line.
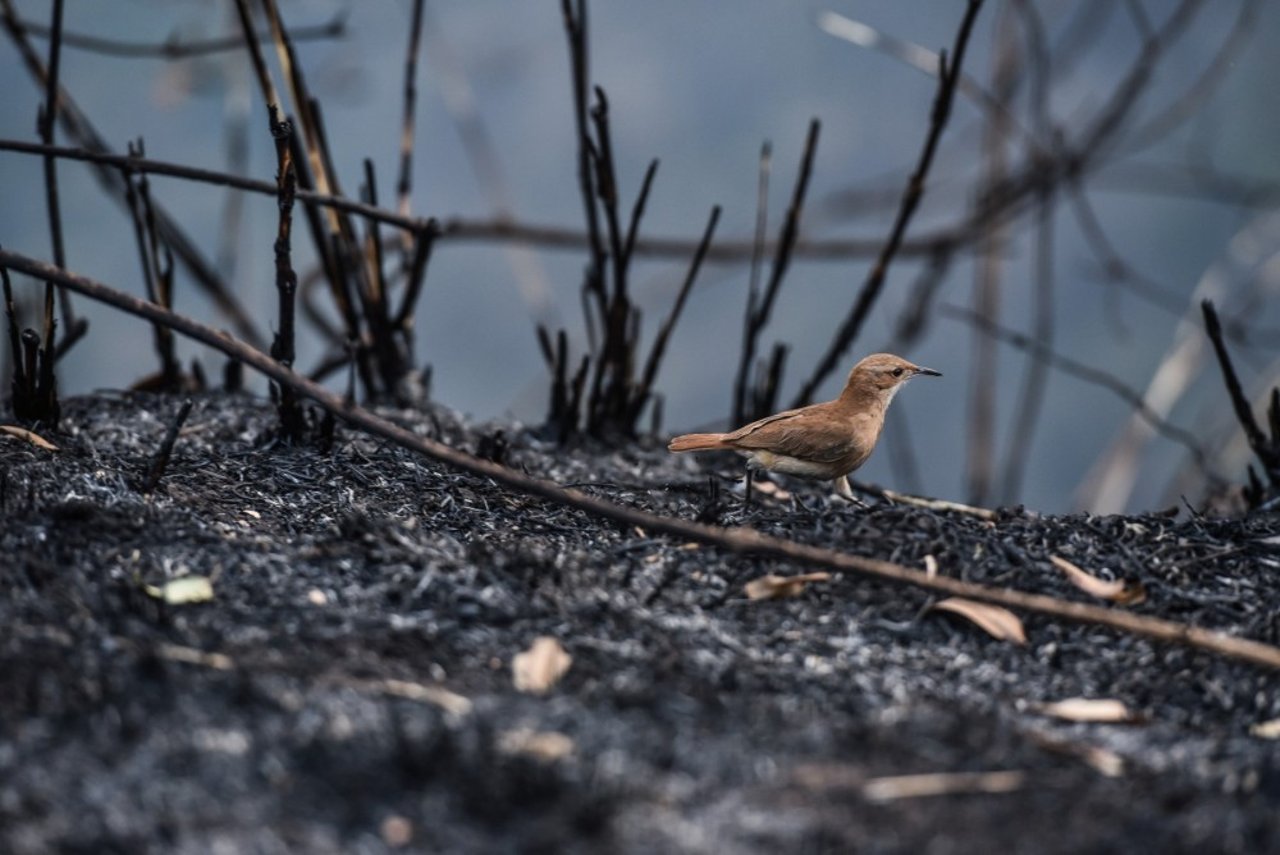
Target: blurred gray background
(701,86)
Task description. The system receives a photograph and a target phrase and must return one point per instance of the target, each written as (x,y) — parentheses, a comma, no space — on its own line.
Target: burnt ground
(300,709)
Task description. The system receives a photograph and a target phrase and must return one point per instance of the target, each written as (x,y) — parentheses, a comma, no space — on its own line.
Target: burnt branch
(948,76)
(292,423)
(1265,448)
(645,390)
(759,308)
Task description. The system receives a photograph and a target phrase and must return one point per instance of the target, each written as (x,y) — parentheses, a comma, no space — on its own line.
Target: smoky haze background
(699,88)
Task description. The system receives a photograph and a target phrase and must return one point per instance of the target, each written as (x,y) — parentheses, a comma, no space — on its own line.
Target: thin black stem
(763,308)
(948,75)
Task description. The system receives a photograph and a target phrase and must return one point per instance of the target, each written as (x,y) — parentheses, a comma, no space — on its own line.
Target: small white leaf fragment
(1266,729)
(540,667)
(774,587)
(1120,591)
(30,436)
(1098,710)
(179,592)
(545,745)
(995,621)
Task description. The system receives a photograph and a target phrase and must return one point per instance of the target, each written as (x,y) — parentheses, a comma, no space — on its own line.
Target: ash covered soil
(349,686)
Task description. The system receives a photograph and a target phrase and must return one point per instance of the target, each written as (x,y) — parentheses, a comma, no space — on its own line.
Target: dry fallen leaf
(188,589)
(998,622)
(34,438)
(773,587)
(1089,710)
(1120,591)
(545,745)
(541,666)
(1266,729)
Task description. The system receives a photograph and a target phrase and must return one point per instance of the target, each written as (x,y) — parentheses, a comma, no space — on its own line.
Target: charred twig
(735,540)
(759,308)
(1265,448)
(159,462)
(948,76)
(292,423)
(405,182)
(46,122)
(645,389)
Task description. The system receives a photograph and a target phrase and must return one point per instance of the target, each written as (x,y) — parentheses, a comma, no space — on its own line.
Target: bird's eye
(897,372)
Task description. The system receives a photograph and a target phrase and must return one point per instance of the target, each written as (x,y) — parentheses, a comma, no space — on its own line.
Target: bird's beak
(928,371)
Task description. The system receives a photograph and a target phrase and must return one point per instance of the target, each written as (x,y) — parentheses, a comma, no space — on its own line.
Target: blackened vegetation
(606,392)
(282,346)
(375,329)
(756,398)
(34,386)
(348,585)
(1264,444)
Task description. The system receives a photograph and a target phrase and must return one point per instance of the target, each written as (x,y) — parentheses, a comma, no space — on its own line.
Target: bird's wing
(821,441)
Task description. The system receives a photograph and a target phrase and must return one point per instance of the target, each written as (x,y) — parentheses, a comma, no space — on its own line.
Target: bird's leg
(846,492)
(746,488)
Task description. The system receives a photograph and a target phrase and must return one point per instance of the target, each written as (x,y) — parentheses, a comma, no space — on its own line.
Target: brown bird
(821,441)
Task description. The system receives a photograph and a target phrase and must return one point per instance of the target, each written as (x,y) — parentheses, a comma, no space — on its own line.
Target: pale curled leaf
(178,592)
(30,436)
(1119,591)
(1266,729)
(1097,710)
(996,621)
(540,667)
(774,587)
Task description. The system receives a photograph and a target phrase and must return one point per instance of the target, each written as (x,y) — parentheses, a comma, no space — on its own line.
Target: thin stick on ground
(735,540)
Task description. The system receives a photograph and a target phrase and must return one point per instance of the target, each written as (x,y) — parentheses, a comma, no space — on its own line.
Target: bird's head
(882,374)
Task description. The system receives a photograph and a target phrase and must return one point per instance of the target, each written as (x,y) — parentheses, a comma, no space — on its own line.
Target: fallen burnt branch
(738,540)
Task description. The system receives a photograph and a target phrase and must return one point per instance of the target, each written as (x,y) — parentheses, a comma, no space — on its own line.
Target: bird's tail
(696,442)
